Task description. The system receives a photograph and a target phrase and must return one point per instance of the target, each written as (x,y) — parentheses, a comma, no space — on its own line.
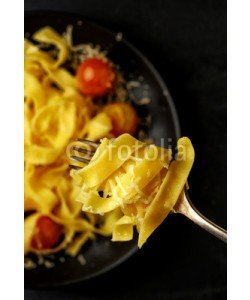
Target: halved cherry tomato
(47,233)
(123,117)
(95,77)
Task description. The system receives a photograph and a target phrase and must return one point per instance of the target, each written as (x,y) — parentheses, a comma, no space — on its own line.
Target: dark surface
(102,255)
(186,41)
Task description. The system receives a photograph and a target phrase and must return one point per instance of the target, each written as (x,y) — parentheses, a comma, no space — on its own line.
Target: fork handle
(194,215)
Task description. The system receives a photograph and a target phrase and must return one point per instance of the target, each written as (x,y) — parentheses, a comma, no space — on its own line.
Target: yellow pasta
(104,164)
(169,191)
(55,114)
(123,229)
(127,183)
(98,127)
(144,184)
(49,36)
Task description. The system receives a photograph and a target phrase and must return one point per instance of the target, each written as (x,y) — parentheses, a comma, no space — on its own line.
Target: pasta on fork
(140,182)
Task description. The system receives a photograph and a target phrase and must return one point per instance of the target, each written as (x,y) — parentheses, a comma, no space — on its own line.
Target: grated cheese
(29,264)
(81,259)
(143,101)
(49,264)
(62,259)
(118,36)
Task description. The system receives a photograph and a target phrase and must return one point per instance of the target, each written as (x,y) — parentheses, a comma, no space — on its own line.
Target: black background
(186,42)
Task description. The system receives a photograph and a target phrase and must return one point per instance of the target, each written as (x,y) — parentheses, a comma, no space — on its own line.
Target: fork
(183,205)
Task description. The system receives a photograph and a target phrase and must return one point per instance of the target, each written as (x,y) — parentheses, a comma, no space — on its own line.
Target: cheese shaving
(145,188)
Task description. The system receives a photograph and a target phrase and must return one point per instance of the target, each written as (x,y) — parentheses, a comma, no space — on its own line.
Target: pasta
(136,184)
(56,113)
(144,182)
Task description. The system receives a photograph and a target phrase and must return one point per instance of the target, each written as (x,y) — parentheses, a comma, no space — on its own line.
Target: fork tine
(83,150)
(74,167)
(95,145)
(88,148)
(80,159)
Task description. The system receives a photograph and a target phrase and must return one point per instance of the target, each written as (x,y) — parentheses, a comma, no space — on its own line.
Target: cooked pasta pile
(136,184)
(55,113)
(137,187)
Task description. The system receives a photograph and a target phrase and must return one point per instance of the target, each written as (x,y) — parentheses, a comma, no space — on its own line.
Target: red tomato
(95,77)
(123,117)
(47,233)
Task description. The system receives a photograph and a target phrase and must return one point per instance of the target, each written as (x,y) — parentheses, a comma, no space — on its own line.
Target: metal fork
(184,206)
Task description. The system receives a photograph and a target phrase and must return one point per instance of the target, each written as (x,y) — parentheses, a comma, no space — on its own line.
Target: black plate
(102,255)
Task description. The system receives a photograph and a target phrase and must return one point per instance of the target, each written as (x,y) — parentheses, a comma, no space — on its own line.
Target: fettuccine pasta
(56,113)
(127,184)
(143,182)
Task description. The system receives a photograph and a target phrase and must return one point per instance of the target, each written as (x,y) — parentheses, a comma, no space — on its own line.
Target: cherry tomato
(95,77)
(123,117)
(47,233)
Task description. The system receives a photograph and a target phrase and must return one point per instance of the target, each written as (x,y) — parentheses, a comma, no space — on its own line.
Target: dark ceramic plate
(103,255)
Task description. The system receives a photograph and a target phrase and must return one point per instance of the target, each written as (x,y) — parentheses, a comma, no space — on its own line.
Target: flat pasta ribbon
(56,113)
(144,184)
